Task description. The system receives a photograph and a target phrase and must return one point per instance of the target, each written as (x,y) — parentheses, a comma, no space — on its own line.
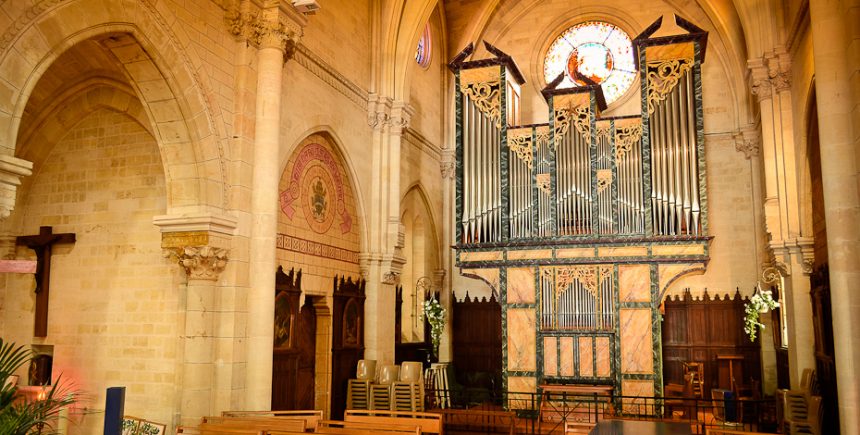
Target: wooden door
(294,346)
(347,338)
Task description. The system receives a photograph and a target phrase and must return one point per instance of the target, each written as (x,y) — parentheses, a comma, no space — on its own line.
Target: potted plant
(761,302)
(25,416)
(434,312)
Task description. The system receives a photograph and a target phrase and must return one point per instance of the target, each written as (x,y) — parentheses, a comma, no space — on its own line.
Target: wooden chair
(680,396)
(697,370)
(428,422)
(812,423)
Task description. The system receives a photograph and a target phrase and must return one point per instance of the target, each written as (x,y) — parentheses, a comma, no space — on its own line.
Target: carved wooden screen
(294,347)
(477,341)
(698,330)
(347,338)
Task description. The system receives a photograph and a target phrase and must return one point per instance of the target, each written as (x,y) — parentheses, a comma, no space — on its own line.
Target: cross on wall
(40,243)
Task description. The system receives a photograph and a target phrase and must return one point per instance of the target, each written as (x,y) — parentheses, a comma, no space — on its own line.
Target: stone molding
(12,169)
(748,141)
(798,250)
(200,262)
(422,143)
(211,224)
(328,74)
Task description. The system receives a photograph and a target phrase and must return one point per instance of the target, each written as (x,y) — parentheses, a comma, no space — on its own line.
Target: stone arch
(161,73)
(337,143)
(418,190)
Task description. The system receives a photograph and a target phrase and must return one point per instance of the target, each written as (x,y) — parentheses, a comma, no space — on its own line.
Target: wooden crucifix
(42,243)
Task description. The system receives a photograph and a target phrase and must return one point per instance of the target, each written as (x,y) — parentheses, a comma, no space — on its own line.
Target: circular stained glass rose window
(597,50)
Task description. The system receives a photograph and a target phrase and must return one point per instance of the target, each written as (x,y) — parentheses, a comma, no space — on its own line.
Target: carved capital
(770,274)
(378,111)
(391,278)
(200,262)
(779,69)
(12,169)
(448,170)
(760,84)
(272,27)
(401,114)
(748,141)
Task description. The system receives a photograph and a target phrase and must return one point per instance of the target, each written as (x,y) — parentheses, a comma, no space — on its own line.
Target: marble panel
(521,384)
(566,361)
(678,250)
(521,285)
(634,283)
(481,256)
(550,356)
(637,353)
(586,357)
(530,254)
(631,387)
(521,339)
(623,251)
(575,253)
(603,357)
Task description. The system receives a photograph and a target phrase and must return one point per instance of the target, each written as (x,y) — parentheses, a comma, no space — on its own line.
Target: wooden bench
(720,431)
(311,417)
(578,427)
(483,421)
(428,422)
(260,423)
(363,428)
(220,429)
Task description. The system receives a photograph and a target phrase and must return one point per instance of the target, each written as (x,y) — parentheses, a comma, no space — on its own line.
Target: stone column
(384,259)
(447,168)
(786,245)
(274,30)
(202,265)
(839,135)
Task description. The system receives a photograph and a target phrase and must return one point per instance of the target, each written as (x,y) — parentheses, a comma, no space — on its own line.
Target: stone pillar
(203,265)
(787,246)
(447,167)
(274,30)
(831,24)
(384,260)
(198,243)
(12,169)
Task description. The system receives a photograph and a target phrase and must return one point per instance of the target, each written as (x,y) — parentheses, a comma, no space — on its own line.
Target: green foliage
(26,416)
(760,302)
(435,314)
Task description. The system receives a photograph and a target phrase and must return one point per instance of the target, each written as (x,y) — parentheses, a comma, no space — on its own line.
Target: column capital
(748,141)
(779,69)
(448,166)
(275,24)
(200,262)
(12,169)
(401,115)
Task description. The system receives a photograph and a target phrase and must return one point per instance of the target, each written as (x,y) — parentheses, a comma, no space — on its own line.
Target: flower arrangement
(760,302)
(434,312)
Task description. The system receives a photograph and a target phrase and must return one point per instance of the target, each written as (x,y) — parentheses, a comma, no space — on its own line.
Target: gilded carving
(580,117)
(625,138)
(543,183)
(487,98)
(179,239)
(541,137)
(521,145)
(663,76)
(604,179)
(590,277)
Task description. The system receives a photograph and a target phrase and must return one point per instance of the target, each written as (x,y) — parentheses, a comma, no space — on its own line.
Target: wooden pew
(481,421)
(311,416)
(219,429)
(720,431)
(428,422)
(260,423)
(364,428)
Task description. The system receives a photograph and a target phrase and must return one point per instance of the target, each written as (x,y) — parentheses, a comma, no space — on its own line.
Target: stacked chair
(358,389)
(389,387)
(800,410)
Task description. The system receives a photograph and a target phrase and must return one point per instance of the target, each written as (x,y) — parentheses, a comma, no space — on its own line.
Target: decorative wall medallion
(316,178)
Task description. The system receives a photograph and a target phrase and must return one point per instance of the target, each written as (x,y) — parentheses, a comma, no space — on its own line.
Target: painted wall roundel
(317,186)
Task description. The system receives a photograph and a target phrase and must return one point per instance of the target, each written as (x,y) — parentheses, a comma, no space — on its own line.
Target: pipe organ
(586,220)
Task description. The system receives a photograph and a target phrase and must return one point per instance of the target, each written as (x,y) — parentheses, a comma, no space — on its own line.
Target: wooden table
(629,427)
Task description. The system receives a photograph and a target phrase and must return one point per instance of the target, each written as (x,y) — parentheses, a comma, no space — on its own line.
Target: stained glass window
(422,52)
(600,51)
